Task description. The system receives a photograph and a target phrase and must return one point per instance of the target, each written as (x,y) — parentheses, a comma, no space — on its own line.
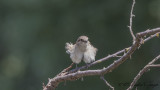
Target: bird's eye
(79,40)
(82,40)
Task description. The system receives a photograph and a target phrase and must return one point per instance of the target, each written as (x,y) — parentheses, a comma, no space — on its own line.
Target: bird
(81,50)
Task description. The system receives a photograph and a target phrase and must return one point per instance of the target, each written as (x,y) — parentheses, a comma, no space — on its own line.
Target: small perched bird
(81,50)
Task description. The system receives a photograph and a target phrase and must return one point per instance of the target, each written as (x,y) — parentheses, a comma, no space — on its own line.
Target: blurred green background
(33,34)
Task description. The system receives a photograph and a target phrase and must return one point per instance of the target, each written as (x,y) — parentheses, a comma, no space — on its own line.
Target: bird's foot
(87,65)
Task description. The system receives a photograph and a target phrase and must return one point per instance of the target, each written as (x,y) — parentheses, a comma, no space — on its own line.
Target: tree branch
(149,65)
(102,77)
(74,74)
(130,26)
(154,65)
(110,56)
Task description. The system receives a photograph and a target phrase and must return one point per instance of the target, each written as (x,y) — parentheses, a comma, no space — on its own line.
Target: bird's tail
(69,48)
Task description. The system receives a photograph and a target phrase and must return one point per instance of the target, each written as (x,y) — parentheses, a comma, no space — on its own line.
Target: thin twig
(150,37)
(154,65)
(64,71)
(130,26)
(150,64)
(102,77)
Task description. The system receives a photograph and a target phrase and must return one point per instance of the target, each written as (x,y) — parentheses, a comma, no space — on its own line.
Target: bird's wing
(89,55)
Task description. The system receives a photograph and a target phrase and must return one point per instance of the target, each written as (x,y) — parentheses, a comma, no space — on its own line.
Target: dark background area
(33,34)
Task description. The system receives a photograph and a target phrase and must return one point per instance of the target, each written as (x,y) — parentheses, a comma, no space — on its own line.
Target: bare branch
(154,65)
(130,26)
(102,77)
(109,56)
(65,70)
(150,64)
(152,36)
(73,75)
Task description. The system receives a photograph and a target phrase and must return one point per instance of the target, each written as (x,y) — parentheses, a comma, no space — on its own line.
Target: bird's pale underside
(81,50)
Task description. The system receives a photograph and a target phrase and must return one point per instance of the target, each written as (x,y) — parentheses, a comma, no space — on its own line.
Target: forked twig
(149,65)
